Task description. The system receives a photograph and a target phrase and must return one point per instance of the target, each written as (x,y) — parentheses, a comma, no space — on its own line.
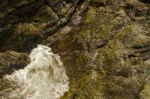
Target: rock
(145,92)
(104,44)
(11,61)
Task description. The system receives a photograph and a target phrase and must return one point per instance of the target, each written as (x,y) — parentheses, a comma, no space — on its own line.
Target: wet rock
(104,44)
(11,61)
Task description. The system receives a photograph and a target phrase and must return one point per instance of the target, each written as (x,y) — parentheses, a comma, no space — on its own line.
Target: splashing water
(43,78)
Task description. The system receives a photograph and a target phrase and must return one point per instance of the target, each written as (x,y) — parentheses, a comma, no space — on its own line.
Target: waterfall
(44,78)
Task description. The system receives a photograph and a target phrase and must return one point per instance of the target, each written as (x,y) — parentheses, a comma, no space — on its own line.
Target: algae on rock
(106,55)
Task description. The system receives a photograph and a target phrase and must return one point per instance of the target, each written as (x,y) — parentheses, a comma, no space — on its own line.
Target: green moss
(145,93)
(94,29)
(133,36)
(88,87)
(90,15)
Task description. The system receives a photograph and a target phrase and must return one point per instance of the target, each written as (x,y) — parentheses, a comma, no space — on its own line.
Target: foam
(44,78)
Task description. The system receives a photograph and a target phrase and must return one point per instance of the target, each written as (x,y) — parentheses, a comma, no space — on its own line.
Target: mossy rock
(24,36)
(11,60)
(145,94)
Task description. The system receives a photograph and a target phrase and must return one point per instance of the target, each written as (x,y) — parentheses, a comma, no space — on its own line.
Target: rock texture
(104,44)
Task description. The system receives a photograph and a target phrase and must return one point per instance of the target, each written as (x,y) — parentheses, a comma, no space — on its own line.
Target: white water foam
(44,78)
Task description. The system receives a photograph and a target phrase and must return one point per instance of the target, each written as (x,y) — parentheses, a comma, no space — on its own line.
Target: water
(44,78)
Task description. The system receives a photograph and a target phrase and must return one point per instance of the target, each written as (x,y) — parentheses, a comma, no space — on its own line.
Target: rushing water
(43,78)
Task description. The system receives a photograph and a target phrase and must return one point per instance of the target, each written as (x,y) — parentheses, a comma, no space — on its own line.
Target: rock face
(104,44)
